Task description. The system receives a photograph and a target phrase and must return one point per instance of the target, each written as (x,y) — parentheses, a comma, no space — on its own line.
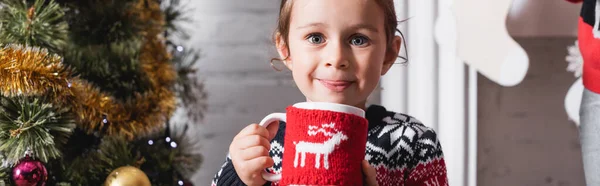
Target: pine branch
(116,152)
(163,164)
(38,24)
(4,170)
(176,13)
(189,89)
(31,123)
(113,46)
(114,68)
(93,166)
(96,22)
(187,160)
(169,159)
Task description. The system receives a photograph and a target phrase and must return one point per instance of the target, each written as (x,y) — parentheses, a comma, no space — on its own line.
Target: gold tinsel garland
(32,72)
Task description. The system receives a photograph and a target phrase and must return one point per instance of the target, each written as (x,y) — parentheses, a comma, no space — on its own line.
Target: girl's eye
(315,39)
(359,41)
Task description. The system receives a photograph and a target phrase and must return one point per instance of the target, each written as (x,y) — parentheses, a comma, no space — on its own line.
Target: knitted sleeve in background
(589,43)
(575,1)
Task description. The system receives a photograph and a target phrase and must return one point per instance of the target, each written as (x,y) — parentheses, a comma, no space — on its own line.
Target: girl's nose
(339,64)
(336,57)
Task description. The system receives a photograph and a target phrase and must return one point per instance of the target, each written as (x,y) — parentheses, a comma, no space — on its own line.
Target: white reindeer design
(319,149)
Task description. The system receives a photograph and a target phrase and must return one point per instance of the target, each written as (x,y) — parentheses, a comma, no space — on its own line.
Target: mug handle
(265,122)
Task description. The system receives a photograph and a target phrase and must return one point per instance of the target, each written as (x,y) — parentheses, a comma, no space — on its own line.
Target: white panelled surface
(393,93)
(422,67)
(433,86)
(472,126)
(451,96)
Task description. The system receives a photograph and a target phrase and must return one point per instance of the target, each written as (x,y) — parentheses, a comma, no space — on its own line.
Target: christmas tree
(87,91)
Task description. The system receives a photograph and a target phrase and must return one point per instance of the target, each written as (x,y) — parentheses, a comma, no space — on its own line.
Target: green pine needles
(40,24)
(29,123)
(119,69)
(92,168)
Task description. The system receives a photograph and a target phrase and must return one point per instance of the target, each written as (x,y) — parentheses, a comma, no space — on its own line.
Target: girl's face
(337,49)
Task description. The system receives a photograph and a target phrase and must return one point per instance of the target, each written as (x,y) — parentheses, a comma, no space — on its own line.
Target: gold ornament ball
(127,176)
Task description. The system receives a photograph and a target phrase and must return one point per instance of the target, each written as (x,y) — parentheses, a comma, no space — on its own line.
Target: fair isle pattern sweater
(402,150)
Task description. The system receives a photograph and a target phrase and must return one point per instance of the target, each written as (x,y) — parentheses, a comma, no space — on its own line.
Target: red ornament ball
(29,172)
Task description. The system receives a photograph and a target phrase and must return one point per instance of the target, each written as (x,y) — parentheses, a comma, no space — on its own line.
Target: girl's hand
(370,175)
(249,152)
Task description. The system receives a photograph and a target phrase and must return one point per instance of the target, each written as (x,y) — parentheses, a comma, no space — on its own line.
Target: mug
(324,144)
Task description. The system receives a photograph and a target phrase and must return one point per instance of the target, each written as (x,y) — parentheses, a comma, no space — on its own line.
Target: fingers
(249,153)
(250,136)
(251,141)
(254,167)
(253,129)
(261,163)
(254,152)
(370,175)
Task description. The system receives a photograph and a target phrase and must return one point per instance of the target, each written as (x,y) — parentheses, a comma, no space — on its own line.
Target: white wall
(235,42)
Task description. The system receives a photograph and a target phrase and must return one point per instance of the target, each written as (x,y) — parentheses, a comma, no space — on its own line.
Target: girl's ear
(391,54)
(283,50)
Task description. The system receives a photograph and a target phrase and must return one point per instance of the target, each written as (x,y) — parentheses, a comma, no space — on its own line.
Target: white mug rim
(336,107)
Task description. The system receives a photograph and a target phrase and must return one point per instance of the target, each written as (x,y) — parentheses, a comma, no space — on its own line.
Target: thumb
(273,127)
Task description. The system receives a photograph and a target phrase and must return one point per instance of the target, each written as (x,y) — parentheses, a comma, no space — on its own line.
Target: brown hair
(389,13)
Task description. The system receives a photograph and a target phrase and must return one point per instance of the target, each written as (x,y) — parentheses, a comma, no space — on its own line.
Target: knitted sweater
(589,43)
(401,149)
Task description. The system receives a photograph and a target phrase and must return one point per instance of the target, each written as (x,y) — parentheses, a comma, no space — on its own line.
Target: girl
(337,50)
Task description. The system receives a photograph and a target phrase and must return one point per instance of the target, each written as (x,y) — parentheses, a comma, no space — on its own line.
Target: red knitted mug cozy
(325,148)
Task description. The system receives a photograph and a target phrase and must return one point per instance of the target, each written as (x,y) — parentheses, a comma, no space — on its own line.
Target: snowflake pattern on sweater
(402,150)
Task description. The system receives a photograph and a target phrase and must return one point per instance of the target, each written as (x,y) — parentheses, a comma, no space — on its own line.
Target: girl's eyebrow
(366,26)
(312,25)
